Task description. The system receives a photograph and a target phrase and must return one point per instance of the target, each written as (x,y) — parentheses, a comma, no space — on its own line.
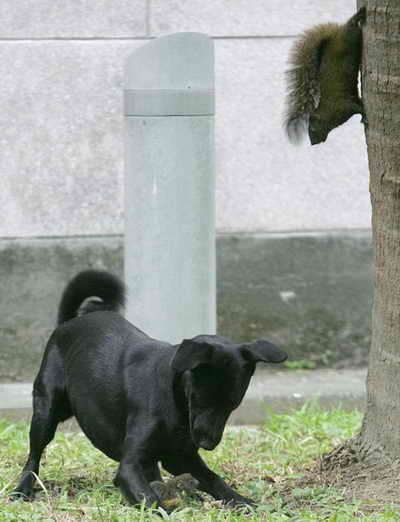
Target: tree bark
(381,98)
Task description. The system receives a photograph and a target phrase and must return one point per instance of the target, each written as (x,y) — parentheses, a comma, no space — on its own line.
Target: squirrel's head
(318,129)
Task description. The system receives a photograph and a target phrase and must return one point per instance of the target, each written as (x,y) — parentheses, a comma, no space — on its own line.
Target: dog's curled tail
(90,291)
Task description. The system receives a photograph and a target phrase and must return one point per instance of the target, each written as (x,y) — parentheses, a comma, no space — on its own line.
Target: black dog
(139,400)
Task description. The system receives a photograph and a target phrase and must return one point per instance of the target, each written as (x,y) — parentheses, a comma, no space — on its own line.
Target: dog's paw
(241,502)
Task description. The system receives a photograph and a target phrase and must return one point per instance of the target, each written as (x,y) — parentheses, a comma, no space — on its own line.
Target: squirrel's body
(171,491)
(323,79)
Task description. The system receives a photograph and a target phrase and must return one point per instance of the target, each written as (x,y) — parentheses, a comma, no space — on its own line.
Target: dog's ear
(264,351)
(190,354)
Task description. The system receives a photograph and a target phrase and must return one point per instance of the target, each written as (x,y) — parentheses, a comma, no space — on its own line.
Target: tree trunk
(381,97)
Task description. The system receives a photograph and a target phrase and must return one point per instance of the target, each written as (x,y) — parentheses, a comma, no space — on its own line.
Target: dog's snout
(207,440)
(207,431)
(207,443)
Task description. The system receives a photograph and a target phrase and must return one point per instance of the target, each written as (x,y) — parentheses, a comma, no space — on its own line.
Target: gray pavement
(283,390)
(276,390)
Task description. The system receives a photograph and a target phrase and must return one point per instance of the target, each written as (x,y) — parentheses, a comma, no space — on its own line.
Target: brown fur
(323,78)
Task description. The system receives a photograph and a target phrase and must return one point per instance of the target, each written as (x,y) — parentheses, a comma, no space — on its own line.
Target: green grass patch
(77,478)
(300,364)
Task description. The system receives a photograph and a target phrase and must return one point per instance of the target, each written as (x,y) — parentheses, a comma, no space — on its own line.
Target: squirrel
(323,79)
(171,492)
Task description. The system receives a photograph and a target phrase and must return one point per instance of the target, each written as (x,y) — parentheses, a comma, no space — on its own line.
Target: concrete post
(170,187)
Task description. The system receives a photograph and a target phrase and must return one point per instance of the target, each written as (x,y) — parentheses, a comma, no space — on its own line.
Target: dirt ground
(368,477)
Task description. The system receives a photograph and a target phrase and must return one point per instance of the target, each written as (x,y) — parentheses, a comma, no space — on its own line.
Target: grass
(77,479)
(300,364)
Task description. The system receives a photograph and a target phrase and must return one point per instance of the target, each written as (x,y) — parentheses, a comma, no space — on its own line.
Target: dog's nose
(207,444)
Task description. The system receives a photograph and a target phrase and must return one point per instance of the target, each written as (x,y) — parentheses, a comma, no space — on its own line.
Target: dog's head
(216,373)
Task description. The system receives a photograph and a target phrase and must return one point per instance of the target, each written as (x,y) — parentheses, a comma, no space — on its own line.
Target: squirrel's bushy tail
(303,80)
(107,292)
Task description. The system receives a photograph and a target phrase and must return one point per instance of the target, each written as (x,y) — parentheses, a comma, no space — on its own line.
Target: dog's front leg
(209,481)
(131,480)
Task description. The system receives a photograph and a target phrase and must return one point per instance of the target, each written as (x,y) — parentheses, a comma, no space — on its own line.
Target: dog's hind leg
(50,406)
(43,426)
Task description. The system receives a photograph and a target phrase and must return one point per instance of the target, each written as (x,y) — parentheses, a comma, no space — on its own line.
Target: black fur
(139,400)
(106,287)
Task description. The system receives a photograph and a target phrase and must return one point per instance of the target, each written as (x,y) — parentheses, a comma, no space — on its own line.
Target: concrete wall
(310,293)
(61,65)
(61,168)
